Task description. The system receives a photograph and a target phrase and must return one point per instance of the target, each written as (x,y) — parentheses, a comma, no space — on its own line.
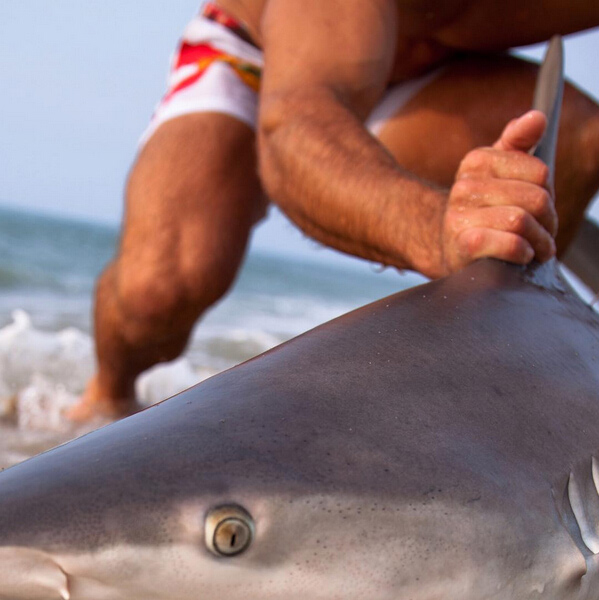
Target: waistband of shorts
(218,15)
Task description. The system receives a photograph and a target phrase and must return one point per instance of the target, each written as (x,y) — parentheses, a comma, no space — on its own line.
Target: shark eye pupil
(229,530)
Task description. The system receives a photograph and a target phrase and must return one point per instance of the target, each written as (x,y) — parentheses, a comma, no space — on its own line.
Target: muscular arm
(327,63)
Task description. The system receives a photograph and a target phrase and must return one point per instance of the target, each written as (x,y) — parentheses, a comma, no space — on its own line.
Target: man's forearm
(339,185)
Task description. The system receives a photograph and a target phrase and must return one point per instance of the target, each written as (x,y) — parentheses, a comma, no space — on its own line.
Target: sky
(80,79)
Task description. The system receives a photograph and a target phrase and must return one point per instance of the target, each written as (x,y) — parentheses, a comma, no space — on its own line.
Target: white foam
(166,380)
(65,357)
(40,406)
(43,373)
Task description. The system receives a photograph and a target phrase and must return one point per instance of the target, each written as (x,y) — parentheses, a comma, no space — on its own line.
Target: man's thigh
(468,103)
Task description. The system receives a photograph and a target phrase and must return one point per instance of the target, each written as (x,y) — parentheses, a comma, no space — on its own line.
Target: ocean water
(48,267)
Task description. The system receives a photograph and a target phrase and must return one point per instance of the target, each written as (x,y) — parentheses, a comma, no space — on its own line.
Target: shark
(440,443)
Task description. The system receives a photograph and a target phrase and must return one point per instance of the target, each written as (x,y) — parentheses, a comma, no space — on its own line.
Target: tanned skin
(317,88)
(411,201)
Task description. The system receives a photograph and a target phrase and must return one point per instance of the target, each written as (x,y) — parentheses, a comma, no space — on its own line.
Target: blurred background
(79,84)
(80,80)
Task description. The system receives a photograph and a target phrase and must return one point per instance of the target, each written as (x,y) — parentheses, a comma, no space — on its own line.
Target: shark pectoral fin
(31,575)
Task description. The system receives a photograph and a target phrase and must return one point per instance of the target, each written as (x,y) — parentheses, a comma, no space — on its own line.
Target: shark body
(438,444)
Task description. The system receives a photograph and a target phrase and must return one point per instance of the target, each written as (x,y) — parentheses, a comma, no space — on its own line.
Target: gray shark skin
(436,444)
(441,443)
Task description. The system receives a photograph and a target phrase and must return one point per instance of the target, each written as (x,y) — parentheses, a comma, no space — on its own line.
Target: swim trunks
(217,68)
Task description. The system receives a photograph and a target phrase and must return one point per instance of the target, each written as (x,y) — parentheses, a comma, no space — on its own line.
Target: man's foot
(94,405)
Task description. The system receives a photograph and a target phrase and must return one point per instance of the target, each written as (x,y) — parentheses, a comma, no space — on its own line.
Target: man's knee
(577,163)
(190,208)
(174,295)
(581,121)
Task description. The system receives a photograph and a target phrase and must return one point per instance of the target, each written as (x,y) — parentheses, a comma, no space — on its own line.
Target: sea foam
(44,373)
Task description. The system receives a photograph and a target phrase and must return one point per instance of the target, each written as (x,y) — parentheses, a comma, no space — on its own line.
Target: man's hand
(500,204)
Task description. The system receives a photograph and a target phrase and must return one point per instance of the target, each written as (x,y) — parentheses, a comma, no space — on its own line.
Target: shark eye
(229,530)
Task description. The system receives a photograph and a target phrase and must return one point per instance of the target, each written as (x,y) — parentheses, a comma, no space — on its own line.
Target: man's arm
(327,64)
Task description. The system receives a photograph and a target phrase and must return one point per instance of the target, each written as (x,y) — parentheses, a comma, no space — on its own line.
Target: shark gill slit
(583,500)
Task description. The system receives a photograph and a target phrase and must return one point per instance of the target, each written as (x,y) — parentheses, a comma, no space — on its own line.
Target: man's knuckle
(464,188)
(517,220)
(541,202)
(479,157)
(475,161)
(471,242)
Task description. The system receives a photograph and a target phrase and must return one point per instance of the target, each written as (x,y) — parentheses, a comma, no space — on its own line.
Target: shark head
(251,485)
(381,455)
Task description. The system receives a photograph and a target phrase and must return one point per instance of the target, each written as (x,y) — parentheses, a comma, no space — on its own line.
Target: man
(315,80)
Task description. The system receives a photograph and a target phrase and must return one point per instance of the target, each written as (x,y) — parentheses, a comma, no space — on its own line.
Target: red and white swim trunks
(217,68)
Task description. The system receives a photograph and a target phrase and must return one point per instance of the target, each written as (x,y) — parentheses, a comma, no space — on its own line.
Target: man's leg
(192,198)
(468,105)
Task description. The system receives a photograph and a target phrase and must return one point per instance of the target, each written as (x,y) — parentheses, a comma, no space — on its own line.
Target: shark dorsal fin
(548,99)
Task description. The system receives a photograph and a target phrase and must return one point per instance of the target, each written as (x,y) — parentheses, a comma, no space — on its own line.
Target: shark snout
(27,574)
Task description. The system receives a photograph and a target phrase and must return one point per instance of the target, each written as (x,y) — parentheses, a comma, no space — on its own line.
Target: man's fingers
(522,133)
(513,219)
(536,200)
(488,163)
(473,237)
(480,242)
(500,205)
